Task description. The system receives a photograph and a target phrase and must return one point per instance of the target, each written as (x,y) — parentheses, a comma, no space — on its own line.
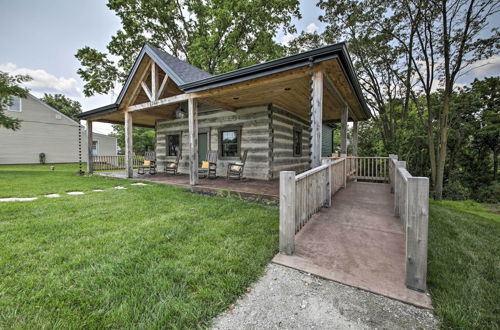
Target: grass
(146,257)
(464,265)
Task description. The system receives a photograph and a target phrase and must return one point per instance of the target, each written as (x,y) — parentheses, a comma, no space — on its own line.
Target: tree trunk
(430,140)
(442,147)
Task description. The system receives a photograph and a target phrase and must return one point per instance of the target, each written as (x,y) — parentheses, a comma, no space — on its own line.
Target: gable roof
(190,79)
(179,71)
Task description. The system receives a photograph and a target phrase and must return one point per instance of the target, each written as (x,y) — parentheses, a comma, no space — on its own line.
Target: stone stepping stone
(18,199)
(120,187)
(52,195)
(139,184)
(98,190)
(76,193)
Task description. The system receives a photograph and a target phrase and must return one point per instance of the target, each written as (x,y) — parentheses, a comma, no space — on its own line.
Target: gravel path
(285,298)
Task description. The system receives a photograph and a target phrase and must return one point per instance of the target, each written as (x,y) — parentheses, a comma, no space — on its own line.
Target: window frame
(238,144)
(20,105)
(298,131)
(167,138)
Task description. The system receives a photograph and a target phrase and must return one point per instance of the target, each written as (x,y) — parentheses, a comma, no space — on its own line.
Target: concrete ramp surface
(358,242)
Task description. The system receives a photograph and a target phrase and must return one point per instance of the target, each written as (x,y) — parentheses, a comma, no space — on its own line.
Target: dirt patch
(289,299)
(251,198)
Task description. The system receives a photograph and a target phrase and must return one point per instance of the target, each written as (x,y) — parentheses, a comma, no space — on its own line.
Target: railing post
(344,156)
(287,212)
(328,202)
(397,192)
(417,233)
(90,144)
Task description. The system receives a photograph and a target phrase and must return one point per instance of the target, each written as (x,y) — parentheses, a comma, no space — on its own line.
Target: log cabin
(280,112)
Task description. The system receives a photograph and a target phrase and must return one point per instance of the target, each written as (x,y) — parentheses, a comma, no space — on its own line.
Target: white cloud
(285,40)
(43,81)
(311,28)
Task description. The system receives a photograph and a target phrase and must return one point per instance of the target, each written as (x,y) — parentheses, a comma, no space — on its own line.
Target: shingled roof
(179,71)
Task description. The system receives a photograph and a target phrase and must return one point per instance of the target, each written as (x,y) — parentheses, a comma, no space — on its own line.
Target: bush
(488,194)
(41,158)
(456,191)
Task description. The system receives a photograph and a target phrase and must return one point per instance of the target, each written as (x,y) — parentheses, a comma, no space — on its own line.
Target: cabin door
(202,146)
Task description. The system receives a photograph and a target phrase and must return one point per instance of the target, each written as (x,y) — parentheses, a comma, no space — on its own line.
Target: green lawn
(464,265)
(145,257)
(160,257)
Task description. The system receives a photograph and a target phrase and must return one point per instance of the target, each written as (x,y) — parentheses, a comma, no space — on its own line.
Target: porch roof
(257,84)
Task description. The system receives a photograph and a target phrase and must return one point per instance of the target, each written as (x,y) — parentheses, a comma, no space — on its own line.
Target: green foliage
(9,87)
(63,104)
(455,191)
(215,35)
(150,257)
(463,269)
(41,158)
(489,194)
(144,138)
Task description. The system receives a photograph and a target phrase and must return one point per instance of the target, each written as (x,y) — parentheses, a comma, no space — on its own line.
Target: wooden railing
(303,195)
(366,168)
(411,205)
(109,163)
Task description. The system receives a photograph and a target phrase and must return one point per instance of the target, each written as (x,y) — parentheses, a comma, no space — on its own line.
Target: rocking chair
(235,170)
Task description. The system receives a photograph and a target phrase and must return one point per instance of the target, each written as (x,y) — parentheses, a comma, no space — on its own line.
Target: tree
(61,103)
(144,138)
(214,35)
(9,87)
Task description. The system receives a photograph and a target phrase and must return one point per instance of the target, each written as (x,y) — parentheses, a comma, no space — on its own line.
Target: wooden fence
(411,205)
(109,163)
(303,195)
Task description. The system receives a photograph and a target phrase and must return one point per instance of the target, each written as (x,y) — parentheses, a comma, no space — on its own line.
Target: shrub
(456,191)
(41,158)
(488,194)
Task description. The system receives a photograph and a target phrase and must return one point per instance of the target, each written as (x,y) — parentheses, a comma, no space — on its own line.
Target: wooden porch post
(128,145)
(343,129)
(287,212)
(193,141)
(90,139)
(316,118)
(355,138)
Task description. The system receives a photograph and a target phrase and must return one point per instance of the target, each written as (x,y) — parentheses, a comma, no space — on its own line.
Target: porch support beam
(128,145)
(316,117)
(355,138)
(343,129)
(336,94)
(90,139)
(154,104)
(193,141)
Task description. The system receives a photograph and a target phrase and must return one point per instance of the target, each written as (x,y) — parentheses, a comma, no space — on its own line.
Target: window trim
(301,143)
(179,134)
(20,105)
(238,129)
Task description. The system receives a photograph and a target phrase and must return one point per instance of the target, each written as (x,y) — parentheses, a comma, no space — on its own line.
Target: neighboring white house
(44,129)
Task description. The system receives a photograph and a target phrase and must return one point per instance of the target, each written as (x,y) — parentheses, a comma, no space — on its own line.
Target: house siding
(254,123)
(283,159)
(44,130)
(327,141)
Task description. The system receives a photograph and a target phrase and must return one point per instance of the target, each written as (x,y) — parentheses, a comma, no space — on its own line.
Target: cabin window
(297,142)
(15,104)
(173,144)
(230,142)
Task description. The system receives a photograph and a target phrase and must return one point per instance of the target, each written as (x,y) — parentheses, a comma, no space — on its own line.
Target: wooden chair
(209,167)
(149,164)
(235,170)
(172,166)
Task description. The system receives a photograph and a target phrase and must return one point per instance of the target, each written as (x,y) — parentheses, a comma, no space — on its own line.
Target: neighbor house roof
(190,79)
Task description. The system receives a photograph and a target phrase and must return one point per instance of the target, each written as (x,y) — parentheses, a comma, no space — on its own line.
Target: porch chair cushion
(172,165)
(147,163)
(204,164)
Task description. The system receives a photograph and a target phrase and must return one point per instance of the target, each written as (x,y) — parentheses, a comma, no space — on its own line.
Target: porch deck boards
(268,189)
(357,242)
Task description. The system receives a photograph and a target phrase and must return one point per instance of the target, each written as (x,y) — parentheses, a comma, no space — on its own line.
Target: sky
(40,38)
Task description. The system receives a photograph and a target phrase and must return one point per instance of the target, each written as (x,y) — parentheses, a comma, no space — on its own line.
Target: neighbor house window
(16,104)
(297,142)
(95,148)
(230,142)
(173,144)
